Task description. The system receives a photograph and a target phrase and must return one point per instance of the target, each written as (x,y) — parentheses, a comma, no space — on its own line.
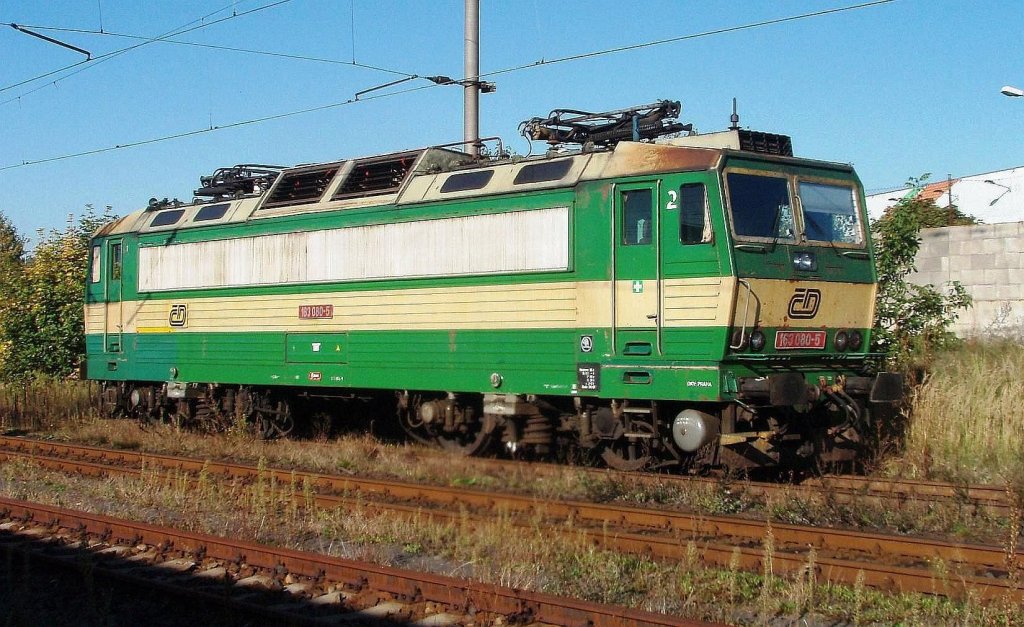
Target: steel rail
(244,609)
(467,596)
(992,499)
(598,514)
(659,533)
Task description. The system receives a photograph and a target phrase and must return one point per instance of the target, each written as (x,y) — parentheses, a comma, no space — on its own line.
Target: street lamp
(1013,92)
(1006,190)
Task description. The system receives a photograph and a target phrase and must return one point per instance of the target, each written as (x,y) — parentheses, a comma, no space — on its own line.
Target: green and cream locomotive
(652,295)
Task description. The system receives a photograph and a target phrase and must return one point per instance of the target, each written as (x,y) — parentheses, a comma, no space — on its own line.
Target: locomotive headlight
(842,341)
(757,341)
(856,340)
(805,261)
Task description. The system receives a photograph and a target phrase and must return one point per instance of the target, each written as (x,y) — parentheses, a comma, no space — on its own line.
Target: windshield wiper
(818,226)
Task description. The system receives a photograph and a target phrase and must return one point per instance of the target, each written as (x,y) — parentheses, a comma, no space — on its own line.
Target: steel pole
(471,89)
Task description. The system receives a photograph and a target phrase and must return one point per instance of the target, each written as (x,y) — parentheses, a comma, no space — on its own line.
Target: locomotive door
(636,327)
(113,323)
(691,263)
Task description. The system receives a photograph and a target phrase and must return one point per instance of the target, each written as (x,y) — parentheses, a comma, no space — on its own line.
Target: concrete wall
(988,259)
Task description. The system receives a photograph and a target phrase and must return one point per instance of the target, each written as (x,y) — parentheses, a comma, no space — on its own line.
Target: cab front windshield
(762,209)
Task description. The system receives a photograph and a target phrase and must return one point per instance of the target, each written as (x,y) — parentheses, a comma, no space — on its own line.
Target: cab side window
(115,261)
(636,217)
(94,269)
(693,209)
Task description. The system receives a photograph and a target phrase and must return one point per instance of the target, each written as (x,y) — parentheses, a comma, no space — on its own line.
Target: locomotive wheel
(619,458)
(112,402)
(472,438)
(469,445)
(630,454)
(273,418)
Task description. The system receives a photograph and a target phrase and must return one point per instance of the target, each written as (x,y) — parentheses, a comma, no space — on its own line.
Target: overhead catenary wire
(181,30)
(166,40)
(200,131)
(508,70)
(671,40)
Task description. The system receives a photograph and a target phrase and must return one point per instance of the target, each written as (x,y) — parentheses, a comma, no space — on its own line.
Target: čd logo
(178,316)
(804,304)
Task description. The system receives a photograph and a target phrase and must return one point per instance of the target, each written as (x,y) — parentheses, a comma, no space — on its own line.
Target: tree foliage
(12,259)
(41,325)
(913,321)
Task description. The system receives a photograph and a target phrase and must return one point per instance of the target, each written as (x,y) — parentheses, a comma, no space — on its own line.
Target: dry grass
(281,513)
(355,453)
(367,456)
(966,423)
(963,428)
(46,404)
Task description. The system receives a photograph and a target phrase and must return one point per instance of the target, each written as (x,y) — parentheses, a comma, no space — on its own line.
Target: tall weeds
(46,403)
(967,423)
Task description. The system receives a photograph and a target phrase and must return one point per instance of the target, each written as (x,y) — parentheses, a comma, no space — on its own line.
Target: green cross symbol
(638,287)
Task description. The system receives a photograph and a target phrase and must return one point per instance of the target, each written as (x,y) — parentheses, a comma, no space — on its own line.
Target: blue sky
(898,89)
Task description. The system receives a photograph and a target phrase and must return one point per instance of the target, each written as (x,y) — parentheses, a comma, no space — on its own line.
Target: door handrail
(746,309)
(615,276)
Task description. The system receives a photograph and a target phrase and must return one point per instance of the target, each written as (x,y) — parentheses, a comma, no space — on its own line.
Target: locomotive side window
(211,212)
(636,217)
(467,181)
(115,261)
(94,270)
(693,209)
(761,206)
(166,218)
(830,214)
(544,171)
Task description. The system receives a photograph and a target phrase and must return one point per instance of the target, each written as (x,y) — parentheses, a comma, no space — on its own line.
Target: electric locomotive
(648,294)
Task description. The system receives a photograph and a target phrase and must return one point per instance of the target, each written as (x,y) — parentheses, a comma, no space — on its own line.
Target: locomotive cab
(743,304)
(805,292)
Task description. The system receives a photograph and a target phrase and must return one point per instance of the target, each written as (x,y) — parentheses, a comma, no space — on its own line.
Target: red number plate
(316,311)
(796,340)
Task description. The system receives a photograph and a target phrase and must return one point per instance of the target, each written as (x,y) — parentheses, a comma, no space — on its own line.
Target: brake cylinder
(692,430)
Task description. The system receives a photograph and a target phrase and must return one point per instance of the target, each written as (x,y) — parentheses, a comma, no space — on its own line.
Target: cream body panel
(517,306)
(520,241)
(770,303)
(698,302)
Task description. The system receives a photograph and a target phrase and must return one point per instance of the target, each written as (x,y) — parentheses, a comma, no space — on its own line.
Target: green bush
(41,316)
(912,321)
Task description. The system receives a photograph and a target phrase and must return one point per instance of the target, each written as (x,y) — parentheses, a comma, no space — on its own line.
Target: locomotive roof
(432,175)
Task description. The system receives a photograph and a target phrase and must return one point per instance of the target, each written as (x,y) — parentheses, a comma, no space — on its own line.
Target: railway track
(893,494)
(992,500)
(287,586)
(885,561)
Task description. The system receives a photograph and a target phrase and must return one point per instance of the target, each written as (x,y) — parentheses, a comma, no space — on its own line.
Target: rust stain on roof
(630,159)
(112,226)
